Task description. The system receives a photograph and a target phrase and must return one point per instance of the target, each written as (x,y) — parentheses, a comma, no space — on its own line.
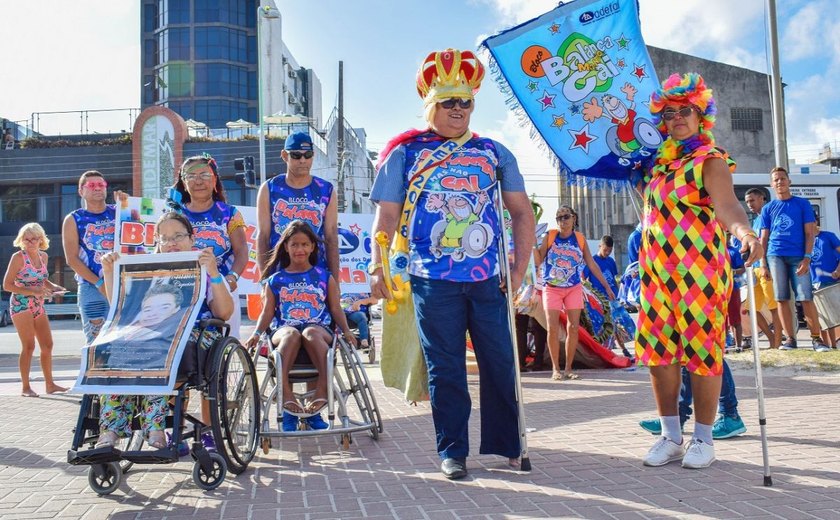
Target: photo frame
(156,299)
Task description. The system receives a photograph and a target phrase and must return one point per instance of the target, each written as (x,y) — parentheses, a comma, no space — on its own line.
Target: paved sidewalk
(586,456)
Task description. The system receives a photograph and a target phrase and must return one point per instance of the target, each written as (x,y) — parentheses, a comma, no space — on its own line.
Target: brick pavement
(585,452)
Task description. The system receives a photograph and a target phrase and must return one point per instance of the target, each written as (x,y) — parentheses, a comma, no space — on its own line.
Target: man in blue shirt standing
(825,272)
(788,229)
(607,265)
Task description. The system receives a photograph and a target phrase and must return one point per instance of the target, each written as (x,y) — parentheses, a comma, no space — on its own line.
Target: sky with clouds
(85,54)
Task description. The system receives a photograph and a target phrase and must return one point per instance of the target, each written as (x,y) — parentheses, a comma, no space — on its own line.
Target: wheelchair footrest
(154,456)
(94,456)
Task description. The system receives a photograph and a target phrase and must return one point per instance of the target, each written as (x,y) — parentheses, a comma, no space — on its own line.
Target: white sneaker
(698,455)
(662,452)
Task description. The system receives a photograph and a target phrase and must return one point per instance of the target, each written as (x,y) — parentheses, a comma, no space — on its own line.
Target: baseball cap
(298,141)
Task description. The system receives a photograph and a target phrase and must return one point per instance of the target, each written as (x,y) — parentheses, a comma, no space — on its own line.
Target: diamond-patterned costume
(685,273)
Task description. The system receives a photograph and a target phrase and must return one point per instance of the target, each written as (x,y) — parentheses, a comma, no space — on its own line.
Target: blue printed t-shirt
(786,221)
(634,243)
(300,298)
(825,258)
(455,228)
(96,237)
(608,268)
(563,262)
(308,204)
(735,262)
(213,228)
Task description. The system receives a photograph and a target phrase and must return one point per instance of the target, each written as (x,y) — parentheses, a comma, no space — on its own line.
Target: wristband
(235,276)
(748,234)
(99,283)
(217,279)
(257,333)
(809,255)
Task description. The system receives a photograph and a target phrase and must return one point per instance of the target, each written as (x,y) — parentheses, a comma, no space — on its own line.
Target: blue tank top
(563,262)
(455,229)
(211,230)
(308,204)
(96,237)
(300,298)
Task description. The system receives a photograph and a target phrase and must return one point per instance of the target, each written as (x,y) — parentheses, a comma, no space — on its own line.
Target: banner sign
(156,300)
(581,76)
(135,231)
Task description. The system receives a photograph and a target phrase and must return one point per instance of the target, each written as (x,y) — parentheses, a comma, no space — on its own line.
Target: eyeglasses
(563,217)
(205,176)
(174,239)
(449,104)
(301,155)
(684,112)
(31,239)
(95,185)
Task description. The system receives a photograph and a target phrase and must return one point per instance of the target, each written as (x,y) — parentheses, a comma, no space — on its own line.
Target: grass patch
(803,359)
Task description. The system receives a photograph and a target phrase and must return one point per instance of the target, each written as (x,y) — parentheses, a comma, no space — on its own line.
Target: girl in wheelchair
(173,233)
(300,301)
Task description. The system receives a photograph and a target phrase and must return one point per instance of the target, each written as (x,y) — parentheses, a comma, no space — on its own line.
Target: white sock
(671,428)
(703,432)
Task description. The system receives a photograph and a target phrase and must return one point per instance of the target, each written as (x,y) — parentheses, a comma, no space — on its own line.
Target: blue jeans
(728,403)
(93,308)
(783,272)
(445,311)
(359,318)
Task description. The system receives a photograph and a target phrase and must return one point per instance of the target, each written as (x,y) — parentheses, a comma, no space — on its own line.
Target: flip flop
(316,405)
(572,375)
(557,376)
(157,439)
(107,439)
(29,393)
(293,407)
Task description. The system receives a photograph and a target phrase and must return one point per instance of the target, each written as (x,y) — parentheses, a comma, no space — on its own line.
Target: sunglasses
(95,185)
(449,104)
(301,155)
(563,217)
(684,112)
(205,176)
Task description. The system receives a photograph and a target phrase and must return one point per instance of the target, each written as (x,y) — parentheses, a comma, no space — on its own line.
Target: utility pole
(779,133)
(340,175)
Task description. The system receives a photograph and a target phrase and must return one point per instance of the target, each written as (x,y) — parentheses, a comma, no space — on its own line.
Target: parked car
(5,317)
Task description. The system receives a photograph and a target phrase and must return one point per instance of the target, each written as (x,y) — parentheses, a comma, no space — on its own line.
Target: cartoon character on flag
(581,76)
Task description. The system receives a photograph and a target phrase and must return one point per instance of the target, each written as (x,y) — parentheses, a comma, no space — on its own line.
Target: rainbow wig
(688,89)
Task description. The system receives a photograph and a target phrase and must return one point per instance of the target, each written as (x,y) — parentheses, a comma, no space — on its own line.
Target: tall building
(200,59)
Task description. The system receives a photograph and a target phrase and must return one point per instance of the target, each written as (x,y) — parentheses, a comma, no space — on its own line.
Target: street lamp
(263,11)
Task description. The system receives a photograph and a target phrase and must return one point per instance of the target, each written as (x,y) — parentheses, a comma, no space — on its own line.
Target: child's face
(299,248)
(174,237)
(156,309)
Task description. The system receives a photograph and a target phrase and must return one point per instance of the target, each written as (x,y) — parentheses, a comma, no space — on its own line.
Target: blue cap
(298,141)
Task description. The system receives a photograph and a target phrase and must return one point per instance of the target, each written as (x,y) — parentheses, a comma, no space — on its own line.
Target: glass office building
(199,58)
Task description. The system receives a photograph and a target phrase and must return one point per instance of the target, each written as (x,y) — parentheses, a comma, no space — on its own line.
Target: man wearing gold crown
(434,189)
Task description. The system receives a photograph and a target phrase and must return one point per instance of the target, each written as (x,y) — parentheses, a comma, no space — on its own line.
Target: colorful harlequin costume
(685,273)
(447,244)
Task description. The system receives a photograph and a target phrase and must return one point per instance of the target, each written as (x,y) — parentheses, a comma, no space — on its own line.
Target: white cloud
(800,34)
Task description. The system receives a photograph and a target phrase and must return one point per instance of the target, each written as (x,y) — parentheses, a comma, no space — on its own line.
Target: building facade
(200,59)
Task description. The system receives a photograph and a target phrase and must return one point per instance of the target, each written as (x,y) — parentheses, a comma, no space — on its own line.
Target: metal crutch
(504,265)
(759,385)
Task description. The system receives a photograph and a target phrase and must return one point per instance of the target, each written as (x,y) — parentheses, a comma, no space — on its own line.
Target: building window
(748,119)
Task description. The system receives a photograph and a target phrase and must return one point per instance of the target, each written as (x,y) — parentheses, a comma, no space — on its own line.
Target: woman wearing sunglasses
(689,204)
(563,255)
(217,224)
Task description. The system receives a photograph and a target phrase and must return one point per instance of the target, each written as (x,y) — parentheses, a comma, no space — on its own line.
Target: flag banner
(580,76)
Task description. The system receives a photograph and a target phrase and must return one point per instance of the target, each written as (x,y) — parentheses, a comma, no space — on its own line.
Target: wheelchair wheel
(234,412)
(213,479)
(372,351)
(359,386)
(104,479)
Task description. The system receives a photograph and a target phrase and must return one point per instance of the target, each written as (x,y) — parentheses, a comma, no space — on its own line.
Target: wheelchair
(226,377)
(371,348)
(351,406)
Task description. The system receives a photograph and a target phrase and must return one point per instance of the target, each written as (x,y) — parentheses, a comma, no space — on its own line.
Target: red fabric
(403,138)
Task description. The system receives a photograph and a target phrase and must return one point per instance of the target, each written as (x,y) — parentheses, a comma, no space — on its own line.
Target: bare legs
(666,382)
(572,327)
(315,340)
(29,330)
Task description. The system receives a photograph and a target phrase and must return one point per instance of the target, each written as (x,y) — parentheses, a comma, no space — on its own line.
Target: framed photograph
(155,302)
